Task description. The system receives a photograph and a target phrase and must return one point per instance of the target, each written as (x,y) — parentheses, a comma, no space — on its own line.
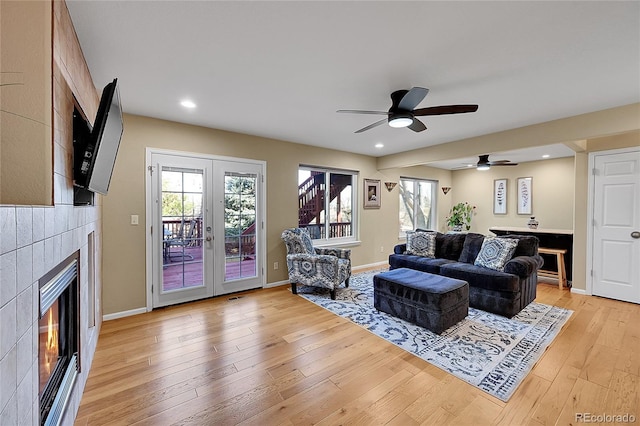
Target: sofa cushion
(480,277)
(419,263)
(449,246)
(496,252)
(421,243)
(426,264)
(471,247)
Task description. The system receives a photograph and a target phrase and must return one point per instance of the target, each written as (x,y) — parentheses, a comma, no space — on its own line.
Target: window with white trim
(417,204)
(326,203)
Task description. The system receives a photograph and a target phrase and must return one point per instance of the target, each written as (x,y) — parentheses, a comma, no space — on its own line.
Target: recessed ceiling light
(546,156)
(379,145)
(188,104)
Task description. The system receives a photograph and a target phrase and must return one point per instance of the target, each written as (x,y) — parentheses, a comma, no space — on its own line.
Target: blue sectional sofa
(504,292)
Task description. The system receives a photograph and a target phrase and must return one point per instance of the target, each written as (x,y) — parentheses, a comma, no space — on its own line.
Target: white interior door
(182,215)
(616,226)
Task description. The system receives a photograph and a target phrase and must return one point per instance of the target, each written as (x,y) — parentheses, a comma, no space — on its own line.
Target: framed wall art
(372,194)
(500,196)
(525,195)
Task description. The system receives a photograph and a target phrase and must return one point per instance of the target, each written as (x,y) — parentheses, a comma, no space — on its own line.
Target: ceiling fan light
(483,167)
(400,121)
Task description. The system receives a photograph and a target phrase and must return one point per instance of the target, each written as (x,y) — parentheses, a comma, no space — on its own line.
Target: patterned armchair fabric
(318,267)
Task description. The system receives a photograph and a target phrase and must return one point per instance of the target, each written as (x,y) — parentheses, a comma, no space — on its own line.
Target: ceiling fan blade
(412,98)
(504,164)
(445,109)
(357,111)
(417,125)
(371,126)
(500,161)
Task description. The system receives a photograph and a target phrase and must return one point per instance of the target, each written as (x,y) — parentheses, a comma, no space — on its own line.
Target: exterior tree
(418,216)
(240,204)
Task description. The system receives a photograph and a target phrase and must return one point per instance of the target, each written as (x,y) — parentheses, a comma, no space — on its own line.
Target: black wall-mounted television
(95,154)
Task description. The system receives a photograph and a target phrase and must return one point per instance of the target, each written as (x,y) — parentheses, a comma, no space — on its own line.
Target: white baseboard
(384,263)
(276,284)
(579,291)
(123,314)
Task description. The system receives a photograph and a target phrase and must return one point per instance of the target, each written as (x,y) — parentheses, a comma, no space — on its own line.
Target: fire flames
(51,352)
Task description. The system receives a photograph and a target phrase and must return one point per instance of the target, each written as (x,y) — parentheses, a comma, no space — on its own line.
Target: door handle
(208,238)
(635,234)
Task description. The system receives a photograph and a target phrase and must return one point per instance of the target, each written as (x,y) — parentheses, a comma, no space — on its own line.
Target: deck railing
(190,229)
(336,230)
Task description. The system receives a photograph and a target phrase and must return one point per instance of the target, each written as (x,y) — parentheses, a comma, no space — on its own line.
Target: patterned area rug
(486,350)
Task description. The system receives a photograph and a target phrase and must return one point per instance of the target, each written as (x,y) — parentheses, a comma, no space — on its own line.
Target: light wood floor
(272,358)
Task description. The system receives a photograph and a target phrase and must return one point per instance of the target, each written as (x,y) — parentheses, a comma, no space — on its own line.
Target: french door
(206,227)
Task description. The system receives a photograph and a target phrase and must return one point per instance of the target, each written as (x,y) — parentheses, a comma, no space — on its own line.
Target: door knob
(208,238)
(635,234)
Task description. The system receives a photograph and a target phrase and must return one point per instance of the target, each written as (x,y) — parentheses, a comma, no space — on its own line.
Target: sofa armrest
(523,266)
(330,251)
(400,249)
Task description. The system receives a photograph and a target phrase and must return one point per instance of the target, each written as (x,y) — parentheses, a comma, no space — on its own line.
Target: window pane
(311,193)
(325,202)
(423,200)
(193,182)
(417,204)
(171,181)
(340,205)
(406,205)
(240,226)
(192,205)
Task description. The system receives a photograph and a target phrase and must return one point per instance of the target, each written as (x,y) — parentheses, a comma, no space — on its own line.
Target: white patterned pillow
(496,252)
(421,243)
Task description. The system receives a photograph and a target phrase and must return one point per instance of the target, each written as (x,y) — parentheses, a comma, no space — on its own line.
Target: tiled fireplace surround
(34,239)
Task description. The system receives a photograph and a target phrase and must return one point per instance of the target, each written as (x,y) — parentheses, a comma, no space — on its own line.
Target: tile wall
(34,239)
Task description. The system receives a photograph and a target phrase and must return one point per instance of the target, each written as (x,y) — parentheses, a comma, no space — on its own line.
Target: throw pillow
(471,247)
(496,252)
(421,243)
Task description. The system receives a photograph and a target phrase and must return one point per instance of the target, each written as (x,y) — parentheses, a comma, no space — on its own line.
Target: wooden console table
(550,238)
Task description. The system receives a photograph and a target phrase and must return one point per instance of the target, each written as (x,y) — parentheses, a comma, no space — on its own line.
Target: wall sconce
(390,185)
(446,189)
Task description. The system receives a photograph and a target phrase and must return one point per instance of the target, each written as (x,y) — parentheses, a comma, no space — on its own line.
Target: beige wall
(555,183)
(25,101)
(124,244)
(552,202)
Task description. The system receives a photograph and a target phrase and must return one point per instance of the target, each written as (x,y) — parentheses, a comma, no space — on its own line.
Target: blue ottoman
(430,301)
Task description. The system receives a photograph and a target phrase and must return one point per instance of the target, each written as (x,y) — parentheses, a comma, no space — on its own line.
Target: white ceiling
(515,156)
(282,69)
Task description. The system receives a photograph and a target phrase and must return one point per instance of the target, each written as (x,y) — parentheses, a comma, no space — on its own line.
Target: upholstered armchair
(314,266)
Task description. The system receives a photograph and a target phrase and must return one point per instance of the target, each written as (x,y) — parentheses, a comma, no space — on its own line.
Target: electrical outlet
(381,249)
(276,265)
(134,219)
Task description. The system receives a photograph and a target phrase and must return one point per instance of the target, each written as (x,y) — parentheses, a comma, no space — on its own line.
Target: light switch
(134,219)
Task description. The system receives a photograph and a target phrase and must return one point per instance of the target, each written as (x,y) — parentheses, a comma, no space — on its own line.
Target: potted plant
(460,217)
